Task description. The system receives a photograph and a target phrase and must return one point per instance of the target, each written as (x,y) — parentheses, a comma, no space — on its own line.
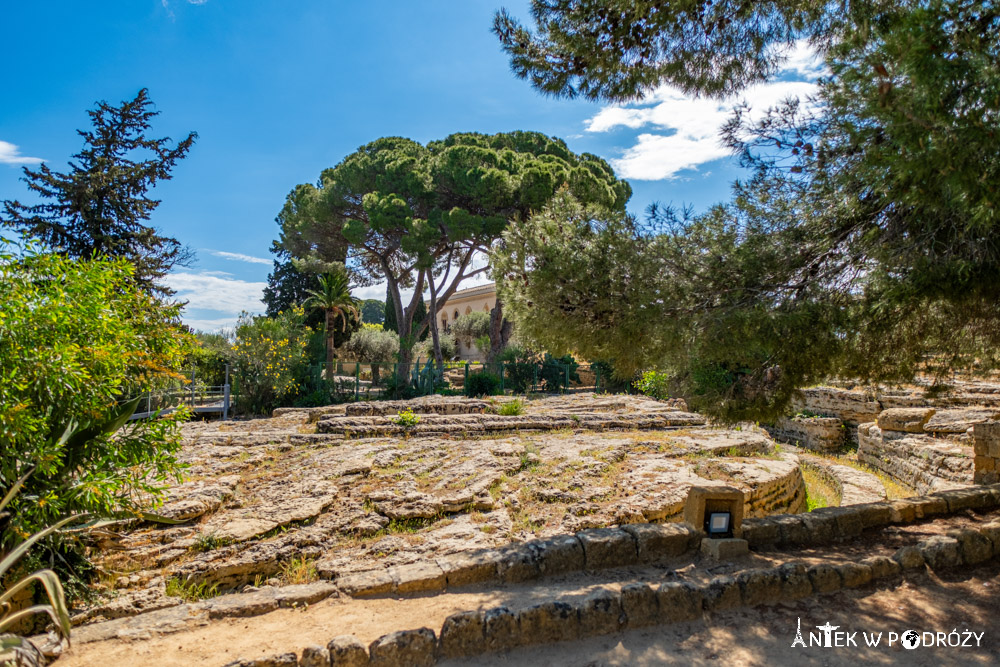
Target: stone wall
(987,450)
(786,492)
(918,460)
(821,434)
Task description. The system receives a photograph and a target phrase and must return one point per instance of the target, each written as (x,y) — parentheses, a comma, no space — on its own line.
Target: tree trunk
(435,337)
(500,330)
(329,348)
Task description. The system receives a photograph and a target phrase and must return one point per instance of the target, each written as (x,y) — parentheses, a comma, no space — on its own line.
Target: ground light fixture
(718,524)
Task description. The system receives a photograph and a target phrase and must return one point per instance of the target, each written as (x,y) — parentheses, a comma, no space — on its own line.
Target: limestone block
(548,622)
(761,532)
(678,601)
(407,648)
(366,583)
(600,613)
(855,575)
(874,515)
(821,528)
(607,547)
(417,577)
(501,628)
(973,546)
(986,437)
(297,595)
(906,420)
(882,567)
(961,499)
(277,660)
(795,581)
(656,541)
(909,557)
(792,529)
(242,605)
(466,568)
(639,605)
(991,531)
(714,498)
(825,578)
(940,552)
(315,656)
(847,521)
(760,586)
(722,593)
(517,564)
(724,549)
(463,634)
(347,651)
(558,555)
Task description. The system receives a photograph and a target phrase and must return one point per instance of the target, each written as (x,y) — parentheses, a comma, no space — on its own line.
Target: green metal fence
(374,381)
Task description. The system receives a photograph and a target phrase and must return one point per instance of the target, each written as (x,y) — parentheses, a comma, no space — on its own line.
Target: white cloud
(10,154)
(239,257)
(224,297)
(686,128)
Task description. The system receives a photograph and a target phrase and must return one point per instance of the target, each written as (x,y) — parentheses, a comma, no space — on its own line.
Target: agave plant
(56,608)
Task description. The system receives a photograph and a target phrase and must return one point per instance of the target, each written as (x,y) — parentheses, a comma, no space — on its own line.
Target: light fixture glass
(718,523)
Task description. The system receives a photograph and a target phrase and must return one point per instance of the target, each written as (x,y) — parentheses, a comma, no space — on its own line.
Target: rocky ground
(313,494)
(454,504)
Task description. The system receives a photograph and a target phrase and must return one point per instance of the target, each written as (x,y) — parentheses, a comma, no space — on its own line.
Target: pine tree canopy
(100,206)
(866,243)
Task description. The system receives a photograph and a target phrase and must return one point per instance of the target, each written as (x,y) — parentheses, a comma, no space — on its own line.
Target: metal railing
(197,397)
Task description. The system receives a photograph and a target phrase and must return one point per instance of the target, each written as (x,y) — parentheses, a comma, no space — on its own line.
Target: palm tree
(334,298)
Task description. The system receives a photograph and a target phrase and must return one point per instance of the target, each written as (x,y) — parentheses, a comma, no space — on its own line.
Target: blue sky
(279,90)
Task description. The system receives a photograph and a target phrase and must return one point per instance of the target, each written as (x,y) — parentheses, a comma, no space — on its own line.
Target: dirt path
(763,636)
(760,636)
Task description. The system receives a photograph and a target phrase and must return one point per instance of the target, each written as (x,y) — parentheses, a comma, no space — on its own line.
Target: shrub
(271,366)
(77,339)
(609,382)
(519,368)
(13,647)
(482,384)
(471,328)
(555,371)
(406,419)
(512,408)
(654,384)
(374,345)
(449,347)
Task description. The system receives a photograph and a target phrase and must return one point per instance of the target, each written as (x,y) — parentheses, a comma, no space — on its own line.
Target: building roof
(478,290)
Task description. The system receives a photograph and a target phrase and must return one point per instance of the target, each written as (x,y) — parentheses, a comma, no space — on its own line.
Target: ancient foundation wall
(820,434)
(987,451)
(918,460)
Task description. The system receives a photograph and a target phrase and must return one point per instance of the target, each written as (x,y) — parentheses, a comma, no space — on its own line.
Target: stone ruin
(352,501)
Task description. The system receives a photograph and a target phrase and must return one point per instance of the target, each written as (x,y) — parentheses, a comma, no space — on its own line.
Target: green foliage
(471,327)
(411,213)
(372,311)
(556,373)
(56,609)
(98,208)
(270,363)
(619,50)
(406,419)
(287,287)
(520,368)
(208,357)
(482,383)
(78,340)
(419,315)
(654,384)
(863,244)
(333,297)
(609,380)
(511,408)
(373,345)
(190,591)
(449,347)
